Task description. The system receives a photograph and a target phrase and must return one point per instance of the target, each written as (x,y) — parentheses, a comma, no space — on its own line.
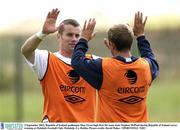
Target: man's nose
(75,38)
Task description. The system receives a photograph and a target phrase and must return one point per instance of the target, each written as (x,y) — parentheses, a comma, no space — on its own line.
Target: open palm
(50,22)
(139,24)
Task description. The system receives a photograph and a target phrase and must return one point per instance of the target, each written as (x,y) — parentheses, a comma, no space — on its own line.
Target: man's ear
(106,42)
(111,45)
(59,35)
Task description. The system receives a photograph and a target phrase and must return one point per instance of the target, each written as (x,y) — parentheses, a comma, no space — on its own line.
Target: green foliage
(164,101)
(32,107)
(6,81)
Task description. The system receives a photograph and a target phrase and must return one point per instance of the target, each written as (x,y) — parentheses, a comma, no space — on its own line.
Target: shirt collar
(126,59)
(67,60)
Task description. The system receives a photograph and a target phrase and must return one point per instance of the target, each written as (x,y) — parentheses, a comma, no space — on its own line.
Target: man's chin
(71,49)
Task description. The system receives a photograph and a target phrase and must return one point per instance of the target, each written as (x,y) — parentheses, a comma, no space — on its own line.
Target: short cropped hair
(121,36)
(67,22)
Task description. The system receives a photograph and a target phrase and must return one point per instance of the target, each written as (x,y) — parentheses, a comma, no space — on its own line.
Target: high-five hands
(50,22)
(88,29)
(139,24)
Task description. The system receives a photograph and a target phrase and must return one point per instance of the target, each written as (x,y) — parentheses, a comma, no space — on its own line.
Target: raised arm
(89,69)
(143,44)
(28,48)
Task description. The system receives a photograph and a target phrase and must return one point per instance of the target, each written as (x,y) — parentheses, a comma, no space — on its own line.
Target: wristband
(41,35)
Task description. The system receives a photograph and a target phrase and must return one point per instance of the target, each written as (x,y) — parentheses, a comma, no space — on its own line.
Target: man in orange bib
(123,80)
(67,96)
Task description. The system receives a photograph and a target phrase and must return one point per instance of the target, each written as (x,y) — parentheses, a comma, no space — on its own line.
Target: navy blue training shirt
(91,69)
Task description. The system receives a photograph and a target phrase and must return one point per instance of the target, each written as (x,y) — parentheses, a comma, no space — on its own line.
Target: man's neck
(126,54)
(65,53)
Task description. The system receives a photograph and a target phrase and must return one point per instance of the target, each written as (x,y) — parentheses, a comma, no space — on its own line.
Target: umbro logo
(131,99)
(131,76)
(73,98)
(73,76)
